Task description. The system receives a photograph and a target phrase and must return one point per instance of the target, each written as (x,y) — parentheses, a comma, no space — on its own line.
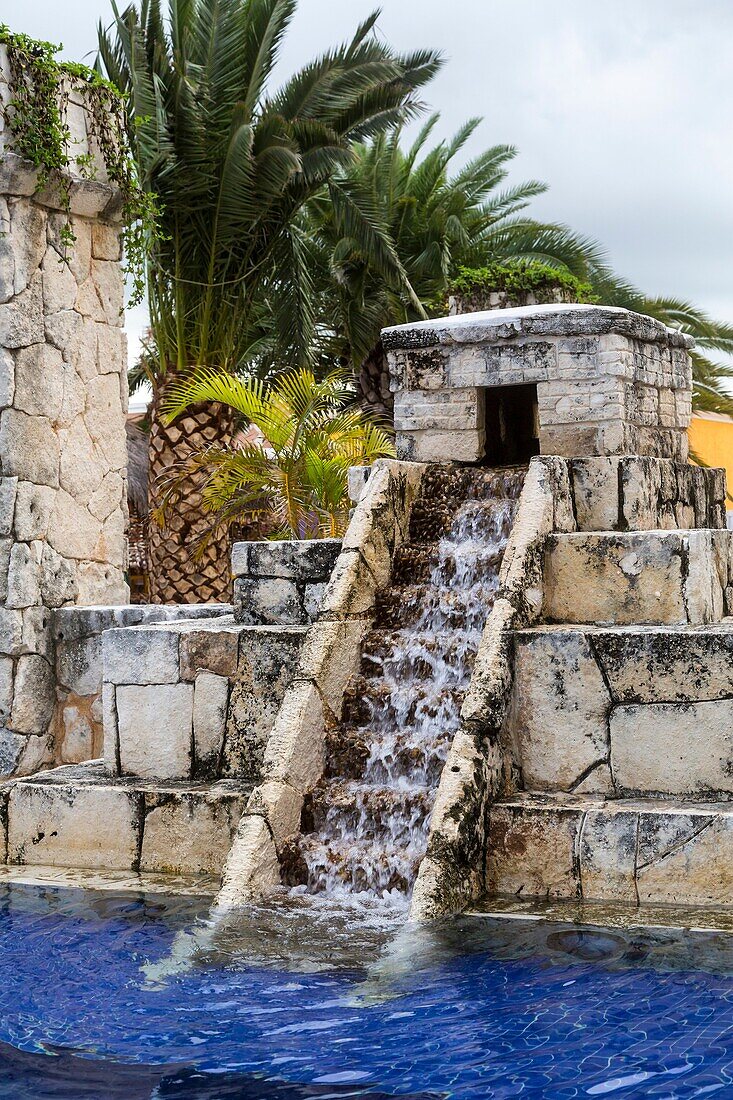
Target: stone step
(194,699)
(639,851)
(622,578)
(624,710)
(78,816)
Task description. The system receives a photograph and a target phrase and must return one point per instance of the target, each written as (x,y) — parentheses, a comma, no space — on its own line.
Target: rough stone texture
(77,817)
(633,493)
(673,748)
(189,832)
(155,724)
(609,382)
(63,400)
(95,827)
(267,662)
(630,850)
(559,718)
(280,582)
(649,576)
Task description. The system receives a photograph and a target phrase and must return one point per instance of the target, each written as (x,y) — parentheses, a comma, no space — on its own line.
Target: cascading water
(369,816)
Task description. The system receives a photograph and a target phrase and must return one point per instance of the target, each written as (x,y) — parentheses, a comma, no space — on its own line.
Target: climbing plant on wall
(36,113)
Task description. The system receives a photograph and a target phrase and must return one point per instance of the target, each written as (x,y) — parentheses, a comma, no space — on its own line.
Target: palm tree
(438,221)
(295,477)
(233,165)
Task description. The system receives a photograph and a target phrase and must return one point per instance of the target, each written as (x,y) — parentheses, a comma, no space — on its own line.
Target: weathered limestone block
(77,733)
(29,448)
(653,577)
(210,699)
(686,858)
(330,656)
(33,509)
(559,716)
(267,662)
(653,665)
(673,748)
(64,825)
(146,710)
(533,854)
(141,655)
(189,832)
(210,647)
(607,855)
(33,695)
(252,866)
(281,582)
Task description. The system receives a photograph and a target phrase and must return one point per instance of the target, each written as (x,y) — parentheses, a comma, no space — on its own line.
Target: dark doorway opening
(512,424)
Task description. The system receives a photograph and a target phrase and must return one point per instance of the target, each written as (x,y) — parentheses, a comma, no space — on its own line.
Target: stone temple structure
(592,751)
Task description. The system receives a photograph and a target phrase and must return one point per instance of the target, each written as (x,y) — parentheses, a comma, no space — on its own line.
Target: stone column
(63,401)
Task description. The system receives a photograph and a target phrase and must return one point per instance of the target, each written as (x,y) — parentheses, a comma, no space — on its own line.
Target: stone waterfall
(367,819)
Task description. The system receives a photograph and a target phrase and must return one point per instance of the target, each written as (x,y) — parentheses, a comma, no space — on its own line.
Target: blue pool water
(474,1008)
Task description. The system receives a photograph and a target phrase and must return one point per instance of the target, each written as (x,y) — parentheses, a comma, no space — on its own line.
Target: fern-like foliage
(295,477)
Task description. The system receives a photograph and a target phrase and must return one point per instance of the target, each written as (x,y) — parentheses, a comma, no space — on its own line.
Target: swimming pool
(471,1008)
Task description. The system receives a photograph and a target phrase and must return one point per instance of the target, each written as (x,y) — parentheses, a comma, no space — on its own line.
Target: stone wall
(563,499)
(281,582)
(76,733)
(63,399)
(608,381)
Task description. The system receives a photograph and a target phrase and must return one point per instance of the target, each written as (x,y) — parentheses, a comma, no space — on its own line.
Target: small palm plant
(294,480)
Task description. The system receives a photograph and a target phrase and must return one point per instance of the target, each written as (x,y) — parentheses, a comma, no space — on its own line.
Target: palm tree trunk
(177,573)
(374,385)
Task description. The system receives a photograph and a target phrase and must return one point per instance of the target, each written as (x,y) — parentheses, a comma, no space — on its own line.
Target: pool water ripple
(471,1008)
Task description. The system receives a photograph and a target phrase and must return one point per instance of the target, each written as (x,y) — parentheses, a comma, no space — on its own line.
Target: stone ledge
(531,321)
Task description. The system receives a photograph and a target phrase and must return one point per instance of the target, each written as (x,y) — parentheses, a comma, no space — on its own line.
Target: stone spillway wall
(63,401)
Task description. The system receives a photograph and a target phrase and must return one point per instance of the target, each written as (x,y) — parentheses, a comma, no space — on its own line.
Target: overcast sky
(623,108)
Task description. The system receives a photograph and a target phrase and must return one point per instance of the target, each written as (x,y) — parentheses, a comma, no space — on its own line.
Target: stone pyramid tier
(621,725)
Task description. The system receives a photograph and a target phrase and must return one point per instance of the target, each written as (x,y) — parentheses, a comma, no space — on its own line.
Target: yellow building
(711,440)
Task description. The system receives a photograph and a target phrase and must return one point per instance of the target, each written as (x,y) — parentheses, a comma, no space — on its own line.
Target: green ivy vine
(36,116)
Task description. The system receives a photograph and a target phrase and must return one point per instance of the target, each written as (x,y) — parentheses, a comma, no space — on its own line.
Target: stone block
(210,699)
(294,751)
(607,855)
(685,859)
(666,665)
(595,486)
(268,601)
(559,715)
(141,655)
(297,560)
(34,696)
(639,577)
(11,750)
(252,868)
(29,448)
(467,445)
(155,729)
(39,381)
(673,748)
(533,854)
(33,509)
(190,832)
(77,734)
(23,574)
(268,658)
(330,656)
(6,689)
(60,825)
(212,647)
(7,377)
